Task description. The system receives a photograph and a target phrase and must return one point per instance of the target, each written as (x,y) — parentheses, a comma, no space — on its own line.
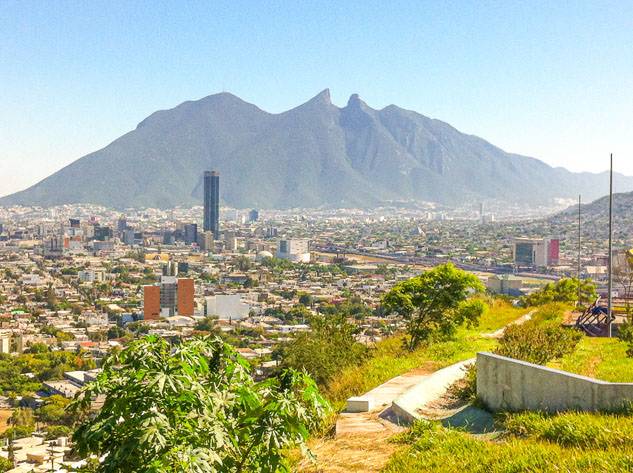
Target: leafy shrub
(625,332)
(193,407)
(537,343)
(324,351)
(549,312)
(18,432)
(565,290)
(55,431)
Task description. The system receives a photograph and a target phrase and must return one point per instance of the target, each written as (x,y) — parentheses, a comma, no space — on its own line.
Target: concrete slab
(359,404)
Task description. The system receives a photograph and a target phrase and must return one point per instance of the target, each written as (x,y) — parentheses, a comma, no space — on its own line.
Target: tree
(193,407)
(327,348)
(623,274)
(430,303)
(306,299)
(209,324)
(54,411)
(5,464)
(116,332)
(565,290)
(22,417)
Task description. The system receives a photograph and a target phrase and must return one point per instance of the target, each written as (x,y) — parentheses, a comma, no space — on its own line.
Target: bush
(625,332)
(537,343)
(565,290)
(18,432)
(56,431)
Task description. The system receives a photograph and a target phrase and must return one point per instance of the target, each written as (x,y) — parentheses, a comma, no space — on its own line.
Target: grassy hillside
(572,442)
(601,358)
(390,359)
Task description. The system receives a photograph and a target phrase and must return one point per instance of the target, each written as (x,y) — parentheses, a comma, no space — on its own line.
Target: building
(5,343)
(127,236)
(121,224)
(505,284)
(191,233)
(172,296)
(296,250)
(212,202)
(227,306)
(253,216)
(151,302)
(185,296)
(533,252)
(205,240)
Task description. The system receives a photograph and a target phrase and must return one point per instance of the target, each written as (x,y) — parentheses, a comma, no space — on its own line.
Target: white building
(227,306)
(296,250)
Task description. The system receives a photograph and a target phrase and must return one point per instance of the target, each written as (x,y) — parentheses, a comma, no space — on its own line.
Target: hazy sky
(551,79)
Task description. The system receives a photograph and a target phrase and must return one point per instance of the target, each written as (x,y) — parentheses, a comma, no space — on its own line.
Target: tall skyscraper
(212,202)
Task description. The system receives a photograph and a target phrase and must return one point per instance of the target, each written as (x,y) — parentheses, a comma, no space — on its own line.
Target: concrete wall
(429,389)
(506,384)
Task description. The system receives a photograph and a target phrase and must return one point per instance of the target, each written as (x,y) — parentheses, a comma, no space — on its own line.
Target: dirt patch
(4,417)
(368,452)
(569,317)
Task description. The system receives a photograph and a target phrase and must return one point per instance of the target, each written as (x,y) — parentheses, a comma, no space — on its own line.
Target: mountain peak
(313,155)
(322,97)
(355,102)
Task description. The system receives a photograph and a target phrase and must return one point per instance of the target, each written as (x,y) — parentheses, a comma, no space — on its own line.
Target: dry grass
(4,417)
(367,452)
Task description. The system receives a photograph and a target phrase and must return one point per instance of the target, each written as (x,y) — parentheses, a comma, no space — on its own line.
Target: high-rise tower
(212,202)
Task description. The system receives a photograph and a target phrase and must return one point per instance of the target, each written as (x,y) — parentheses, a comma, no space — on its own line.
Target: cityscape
(228,287)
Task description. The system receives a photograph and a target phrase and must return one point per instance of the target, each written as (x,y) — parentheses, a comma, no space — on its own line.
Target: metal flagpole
(610,286)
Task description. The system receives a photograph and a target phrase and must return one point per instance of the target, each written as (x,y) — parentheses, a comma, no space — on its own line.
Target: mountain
(595,218)
(313,155)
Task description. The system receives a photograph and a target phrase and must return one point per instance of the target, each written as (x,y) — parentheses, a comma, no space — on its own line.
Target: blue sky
(553,80)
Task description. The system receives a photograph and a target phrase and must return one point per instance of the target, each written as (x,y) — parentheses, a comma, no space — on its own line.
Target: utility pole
(579,249)
(610,285)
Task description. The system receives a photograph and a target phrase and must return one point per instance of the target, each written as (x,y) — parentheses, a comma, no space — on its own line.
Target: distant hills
(316,154)
(595,218)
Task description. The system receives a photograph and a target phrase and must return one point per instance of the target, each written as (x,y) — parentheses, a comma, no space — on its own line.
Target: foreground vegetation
(601,358)
(573,442)
(390,357)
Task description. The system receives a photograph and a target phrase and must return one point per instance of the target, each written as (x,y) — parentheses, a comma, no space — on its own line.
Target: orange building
(151,305)
(185,297)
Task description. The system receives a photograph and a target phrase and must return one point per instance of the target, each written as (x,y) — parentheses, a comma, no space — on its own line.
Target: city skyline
(502,72)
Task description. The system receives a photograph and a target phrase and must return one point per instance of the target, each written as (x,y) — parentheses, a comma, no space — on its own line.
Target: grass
(601,358)
(390,359)
(572,442)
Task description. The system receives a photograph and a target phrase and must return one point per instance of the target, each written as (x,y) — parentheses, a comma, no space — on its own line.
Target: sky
(548,79)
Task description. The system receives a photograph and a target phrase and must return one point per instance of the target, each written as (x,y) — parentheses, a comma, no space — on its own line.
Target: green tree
(430,303)
(323,351)
(54,411)
(306,299)
(55,431)
(21,417)
(5,464)
(209,324)
(116,332)
(565,290)
(193,407)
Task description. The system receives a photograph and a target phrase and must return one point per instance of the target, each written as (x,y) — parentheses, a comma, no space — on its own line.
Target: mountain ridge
(312,155)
